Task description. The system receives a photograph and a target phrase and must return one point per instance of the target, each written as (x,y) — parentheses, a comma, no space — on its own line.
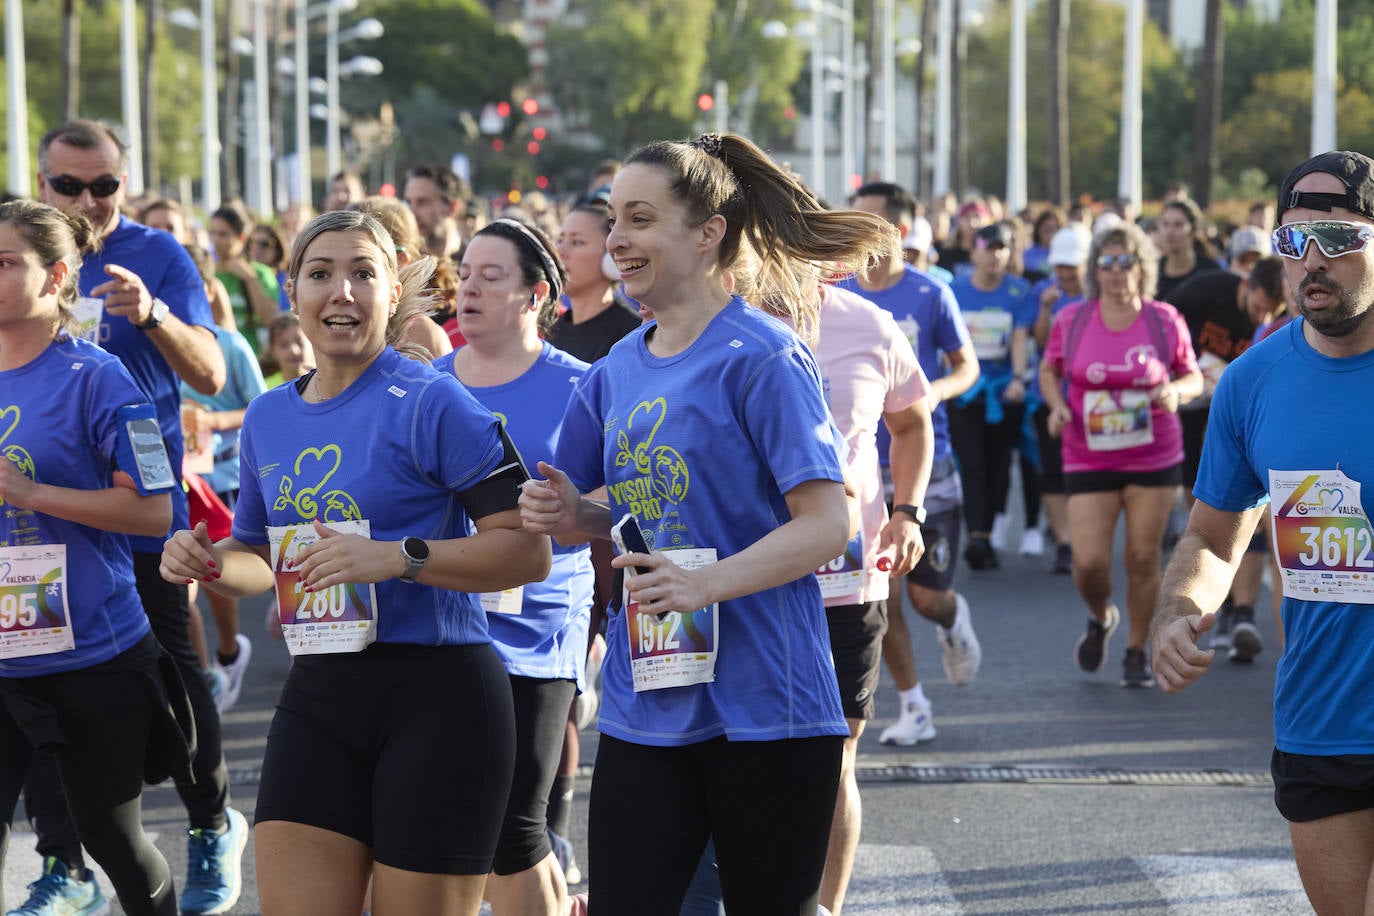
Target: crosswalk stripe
(1215,885)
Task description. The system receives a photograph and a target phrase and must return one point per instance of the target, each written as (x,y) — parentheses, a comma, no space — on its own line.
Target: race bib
(509,601)
(910,329)
(33,601)
(342,618)
(1115,420)
(1321,536)
(678,649)
(843,577)
(990,331)
(88,313)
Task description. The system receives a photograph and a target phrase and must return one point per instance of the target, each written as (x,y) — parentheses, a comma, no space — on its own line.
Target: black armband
(499,491)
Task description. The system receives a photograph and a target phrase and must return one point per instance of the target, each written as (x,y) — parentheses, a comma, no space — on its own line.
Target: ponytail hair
(771,212)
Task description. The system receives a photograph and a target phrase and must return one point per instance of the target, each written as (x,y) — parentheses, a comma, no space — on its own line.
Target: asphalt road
(1046,791)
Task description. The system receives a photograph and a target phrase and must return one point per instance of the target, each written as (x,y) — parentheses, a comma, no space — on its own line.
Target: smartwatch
(156,316)
(916,512)
(416,552)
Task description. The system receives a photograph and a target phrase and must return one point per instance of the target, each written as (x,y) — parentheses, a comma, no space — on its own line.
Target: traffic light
(706,101)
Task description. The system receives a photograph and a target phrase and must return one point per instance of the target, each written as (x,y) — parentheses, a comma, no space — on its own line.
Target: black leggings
(984,451)
(106,717)
(767,804)
(168,610)
(541,719)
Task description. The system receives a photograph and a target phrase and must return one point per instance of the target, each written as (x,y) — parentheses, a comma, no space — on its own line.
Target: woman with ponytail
(360,484)
(81,675)
(720,714)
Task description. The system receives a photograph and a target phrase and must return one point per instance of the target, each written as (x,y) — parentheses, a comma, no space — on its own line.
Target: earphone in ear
(534,300)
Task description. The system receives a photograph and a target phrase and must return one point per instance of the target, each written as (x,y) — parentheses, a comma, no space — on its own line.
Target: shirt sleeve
(951,333)
(110,388)
(1025,308)
(457,441)
(250,512)
(581,441)
(906,383)
(784,414)
(183,290)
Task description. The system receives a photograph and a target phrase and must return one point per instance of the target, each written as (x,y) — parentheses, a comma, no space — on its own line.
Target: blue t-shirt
(76,388)
(928,313)
(548,638)
(1033,394)
(242,382)
(991,316)
(395,448)
(1284,407)
(701,446)
(170,275)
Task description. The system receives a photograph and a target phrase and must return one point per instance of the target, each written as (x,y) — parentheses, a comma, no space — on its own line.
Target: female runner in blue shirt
(512,278)
(80,671)
(390,758)
(720,714)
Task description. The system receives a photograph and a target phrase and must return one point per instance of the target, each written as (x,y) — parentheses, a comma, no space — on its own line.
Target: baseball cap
(1069,247)
(1108,219)
(1249,239)
(921,236)
(1355,171)
(975,208)
(996,234)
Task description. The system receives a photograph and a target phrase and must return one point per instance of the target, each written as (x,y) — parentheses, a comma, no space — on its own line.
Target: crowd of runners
(669,455)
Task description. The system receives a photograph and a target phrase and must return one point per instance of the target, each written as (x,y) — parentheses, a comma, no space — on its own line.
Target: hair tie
(550,268)
(710,144)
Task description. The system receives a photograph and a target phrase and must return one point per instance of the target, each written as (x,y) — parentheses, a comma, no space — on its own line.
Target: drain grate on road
(1249,779)
(1043,775)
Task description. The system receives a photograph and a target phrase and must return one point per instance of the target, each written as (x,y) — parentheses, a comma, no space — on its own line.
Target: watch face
(416,548)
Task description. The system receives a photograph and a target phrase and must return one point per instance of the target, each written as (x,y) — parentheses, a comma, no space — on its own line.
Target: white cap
(1247,239)
(921,236)
(1069,246)
(1109,219)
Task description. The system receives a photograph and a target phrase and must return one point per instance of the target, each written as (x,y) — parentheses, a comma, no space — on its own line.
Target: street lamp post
(260,170)
(1128,180)
(16,100)
(944,58)
(1016,112)
(890,90)
(302,105)
(332,156)
(128,82)
(209,98)
(1324,78)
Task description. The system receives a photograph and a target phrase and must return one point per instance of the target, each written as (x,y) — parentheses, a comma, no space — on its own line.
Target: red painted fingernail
(211,564)
(189,581)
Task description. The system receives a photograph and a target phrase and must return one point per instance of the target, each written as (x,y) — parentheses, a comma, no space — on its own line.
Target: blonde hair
(1136,242)
(54,236)
(416,298)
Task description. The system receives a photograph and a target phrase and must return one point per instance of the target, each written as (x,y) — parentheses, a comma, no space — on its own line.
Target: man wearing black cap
(1289,427)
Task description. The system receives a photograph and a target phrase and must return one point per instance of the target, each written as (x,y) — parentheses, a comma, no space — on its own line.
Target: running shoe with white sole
(913,726)
(1245,636)
(234,674)
(59,894)
(1135,670)
(962,654)
(214,867)
(1032,543)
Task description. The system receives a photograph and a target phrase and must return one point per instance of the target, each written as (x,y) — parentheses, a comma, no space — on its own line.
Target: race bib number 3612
(1322,536)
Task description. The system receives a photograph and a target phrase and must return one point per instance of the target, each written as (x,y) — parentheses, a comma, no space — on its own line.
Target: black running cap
(1356,172)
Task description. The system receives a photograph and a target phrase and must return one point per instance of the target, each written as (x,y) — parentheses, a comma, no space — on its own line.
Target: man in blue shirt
(1285,429)
(144,302)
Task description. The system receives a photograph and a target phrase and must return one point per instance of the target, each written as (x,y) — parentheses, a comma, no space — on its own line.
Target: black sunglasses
(1116,261)
(68,186)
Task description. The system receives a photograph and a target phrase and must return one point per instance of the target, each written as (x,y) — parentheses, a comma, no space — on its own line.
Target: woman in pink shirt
(1129,364)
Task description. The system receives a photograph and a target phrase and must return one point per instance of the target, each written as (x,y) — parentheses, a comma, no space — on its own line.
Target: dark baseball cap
(1355,171)
(996,234)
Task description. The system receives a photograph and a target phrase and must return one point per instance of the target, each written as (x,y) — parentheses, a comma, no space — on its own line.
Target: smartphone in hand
(628,538)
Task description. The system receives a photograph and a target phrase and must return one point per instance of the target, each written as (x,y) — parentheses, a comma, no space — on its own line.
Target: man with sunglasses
(1289,427)
(143,300)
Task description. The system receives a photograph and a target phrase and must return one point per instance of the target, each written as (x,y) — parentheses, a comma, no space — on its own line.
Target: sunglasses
(68,186)
(1117,261)
(1333,236)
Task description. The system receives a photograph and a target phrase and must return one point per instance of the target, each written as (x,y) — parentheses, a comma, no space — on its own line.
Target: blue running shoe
(59,894)
(214,874)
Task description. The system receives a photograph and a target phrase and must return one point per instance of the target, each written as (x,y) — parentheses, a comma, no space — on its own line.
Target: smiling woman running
(720,713)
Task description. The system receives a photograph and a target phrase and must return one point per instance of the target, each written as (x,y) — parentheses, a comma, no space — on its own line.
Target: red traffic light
(541,182)
(529,107)
(498,145)
(503,109)
(533,148)
(539,133)
(706,101)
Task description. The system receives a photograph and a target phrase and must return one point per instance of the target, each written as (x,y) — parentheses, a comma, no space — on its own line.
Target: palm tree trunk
(71,59)
(922,186)
(1058,22)
(1208,125)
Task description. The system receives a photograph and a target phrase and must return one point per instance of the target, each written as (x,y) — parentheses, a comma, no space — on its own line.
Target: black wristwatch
(416,552)
(156,316)
(916,512)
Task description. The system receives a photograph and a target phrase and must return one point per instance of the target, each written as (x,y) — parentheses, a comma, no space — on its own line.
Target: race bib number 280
(342,618)
(1322,536)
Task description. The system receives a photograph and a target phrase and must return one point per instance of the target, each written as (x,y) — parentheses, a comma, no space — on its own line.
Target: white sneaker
(912,726)
(962,653)
(1032,543)
(588,702)
(234,674)
(997,537)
